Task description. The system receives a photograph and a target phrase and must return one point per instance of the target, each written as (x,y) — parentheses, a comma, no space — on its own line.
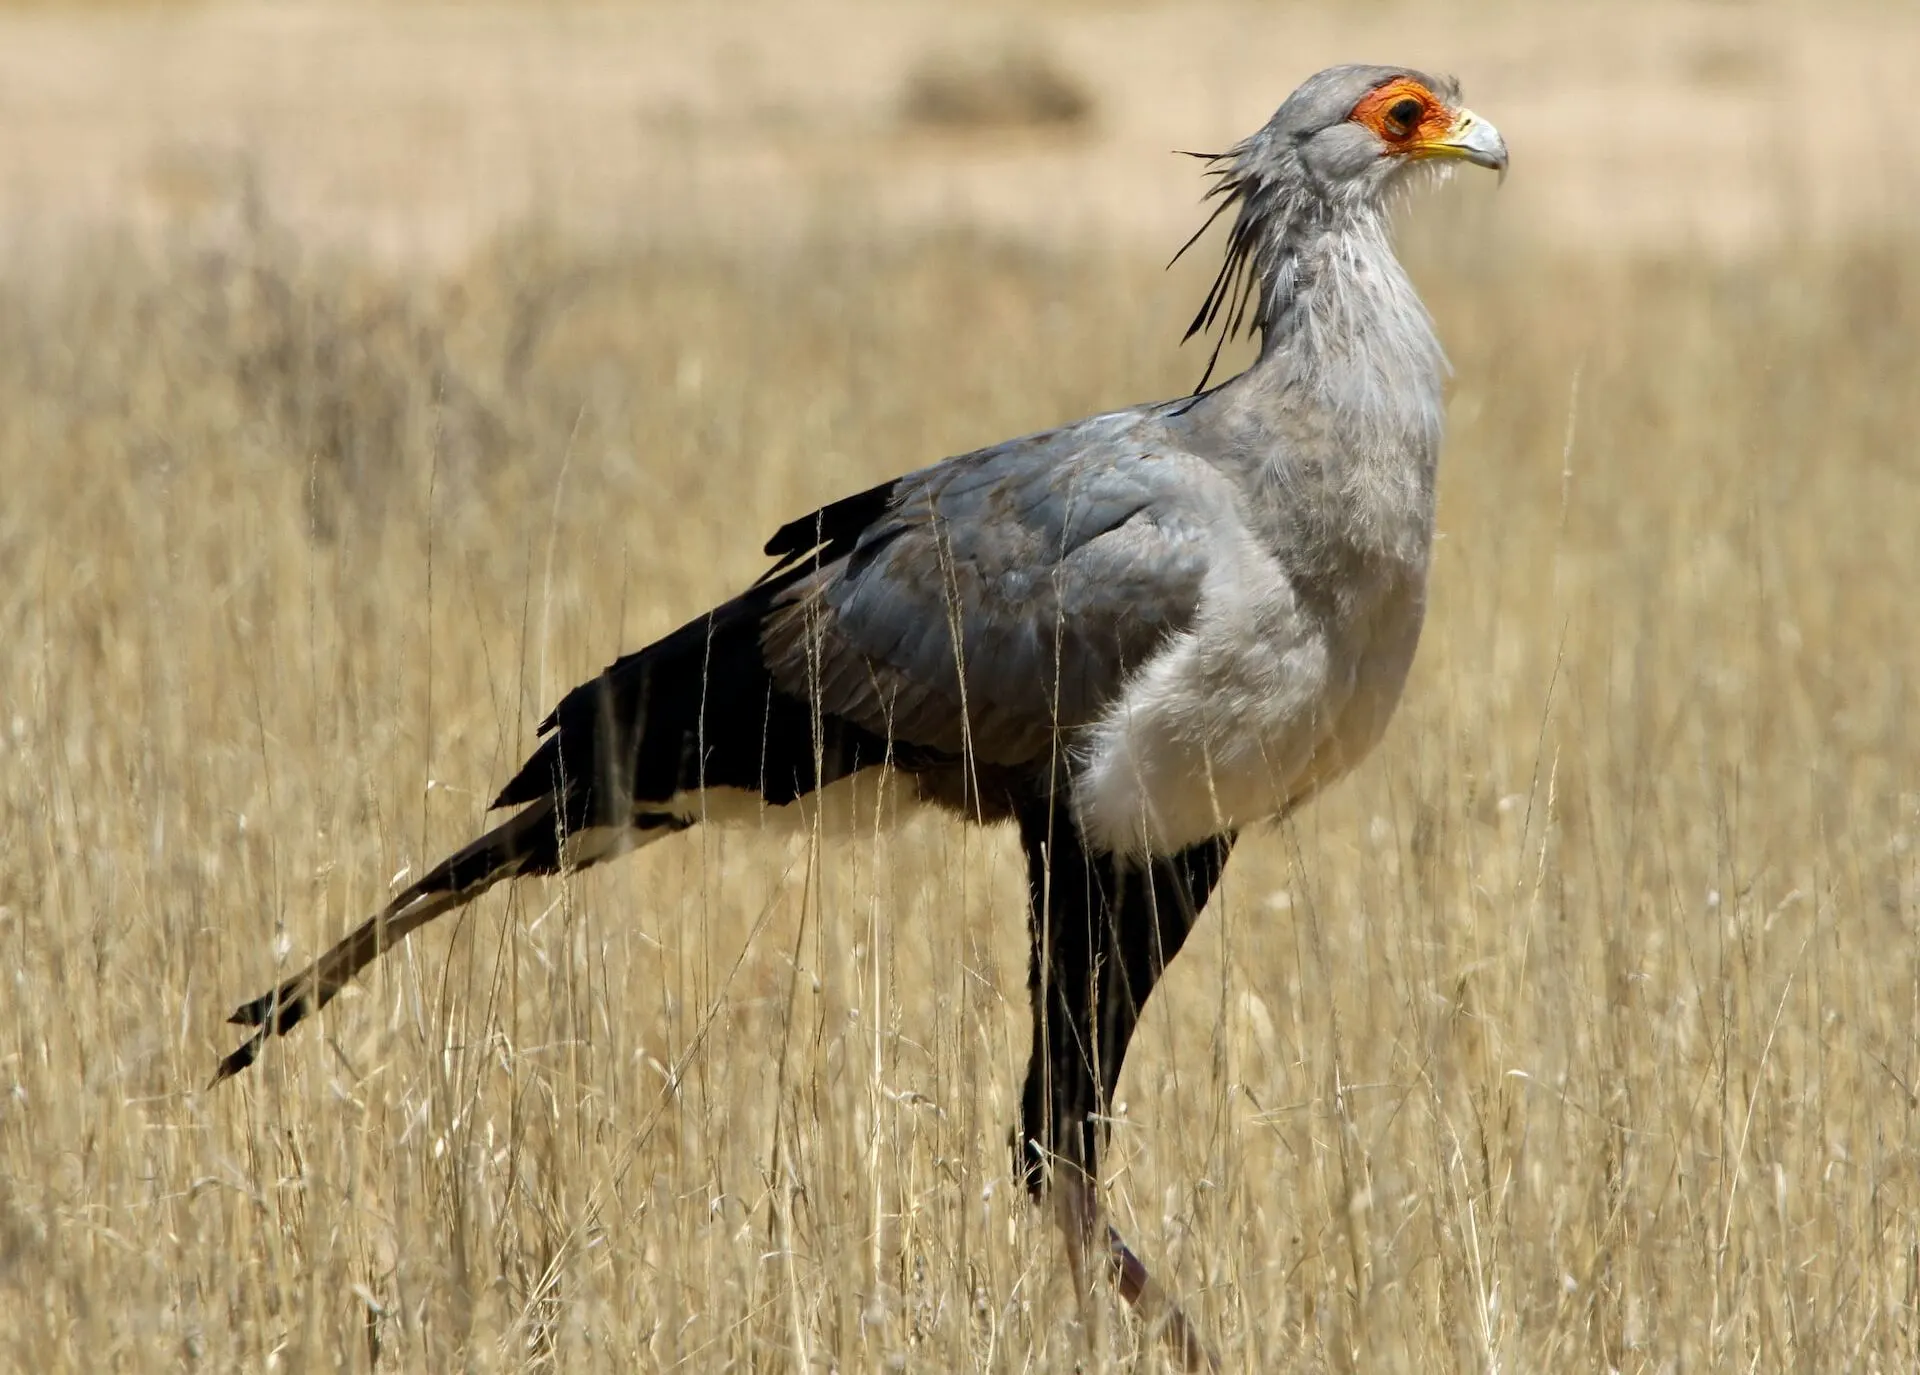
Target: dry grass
(1579,1030)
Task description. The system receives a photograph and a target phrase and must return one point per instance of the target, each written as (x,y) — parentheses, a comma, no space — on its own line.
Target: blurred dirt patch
(1731,63)
(1011,86)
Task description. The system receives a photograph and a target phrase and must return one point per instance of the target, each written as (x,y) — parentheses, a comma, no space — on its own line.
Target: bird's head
(1355,132)
(1330,156)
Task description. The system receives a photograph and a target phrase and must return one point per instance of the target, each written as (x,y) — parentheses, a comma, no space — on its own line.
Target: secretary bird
(1133,636)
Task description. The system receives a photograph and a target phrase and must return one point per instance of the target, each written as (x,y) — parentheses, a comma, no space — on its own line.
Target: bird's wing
(989,601)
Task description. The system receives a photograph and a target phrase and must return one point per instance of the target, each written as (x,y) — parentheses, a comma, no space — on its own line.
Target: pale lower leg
(1083,1221)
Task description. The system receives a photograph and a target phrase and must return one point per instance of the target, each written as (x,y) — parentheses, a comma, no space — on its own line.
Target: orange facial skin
(1389,112)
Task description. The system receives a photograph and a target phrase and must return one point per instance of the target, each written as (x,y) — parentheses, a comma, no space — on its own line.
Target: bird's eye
(1397,111)
(1402,115)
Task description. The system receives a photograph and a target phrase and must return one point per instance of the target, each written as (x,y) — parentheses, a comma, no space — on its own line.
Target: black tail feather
(696,709)
(527,844)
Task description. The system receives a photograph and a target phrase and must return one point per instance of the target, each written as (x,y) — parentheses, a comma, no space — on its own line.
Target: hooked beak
(1472,139)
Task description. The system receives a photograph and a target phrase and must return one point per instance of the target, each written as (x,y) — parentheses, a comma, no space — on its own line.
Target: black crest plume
(1233,302)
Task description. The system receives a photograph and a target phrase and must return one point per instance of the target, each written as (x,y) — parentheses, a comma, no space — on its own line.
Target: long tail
(529,843)
(695,710)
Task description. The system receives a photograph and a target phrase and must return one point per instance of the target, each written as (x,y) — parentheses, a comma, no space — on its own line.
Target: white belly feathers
(1243,716)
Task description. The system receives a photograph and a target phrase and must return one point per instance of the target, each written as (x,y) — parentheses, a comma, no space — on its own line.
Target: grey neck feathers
(1341,324)
(1349,368)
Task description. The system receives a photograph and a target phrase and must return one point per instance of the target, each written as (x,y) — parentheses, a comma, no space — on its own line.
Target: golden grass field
(1579,1030)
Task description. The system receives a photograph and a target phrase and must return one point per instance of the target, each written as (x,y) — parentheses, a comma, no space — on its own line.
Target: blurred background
(369,374)
(420,133)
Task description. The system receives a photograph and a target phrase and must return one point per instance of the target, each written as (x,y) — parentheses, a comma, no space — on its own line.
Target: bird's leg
(1102,934)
